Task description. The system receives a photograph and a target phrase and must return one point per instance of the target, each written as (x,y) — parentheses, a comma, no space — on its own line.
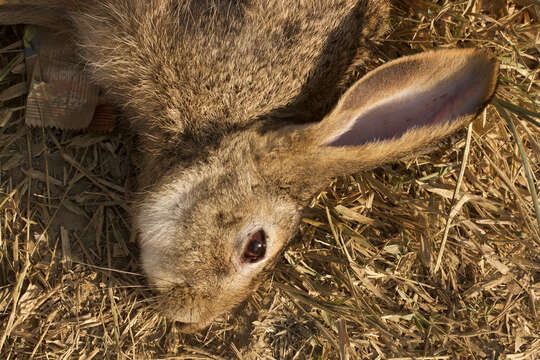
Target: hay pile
(435,257)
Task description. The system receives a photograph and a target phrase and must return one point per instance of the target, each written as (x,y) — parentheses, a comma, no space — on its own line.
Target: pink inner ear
(394,116)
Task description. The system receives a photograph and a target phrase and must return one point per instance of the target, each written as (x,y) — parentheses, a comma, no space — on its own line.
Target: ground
(432,257)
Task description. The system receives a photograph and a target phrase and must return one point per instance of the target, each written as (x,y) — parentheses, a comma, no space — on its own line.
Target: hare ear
(402,106)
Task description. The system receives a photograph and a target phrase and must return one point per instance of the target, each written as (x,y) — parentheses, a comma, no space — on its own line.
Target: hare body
(194,71)
(218,91)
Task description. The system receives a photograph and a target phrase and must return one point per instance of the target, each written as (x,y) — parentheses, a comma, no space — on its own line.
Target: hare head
(224,179)
(210,232)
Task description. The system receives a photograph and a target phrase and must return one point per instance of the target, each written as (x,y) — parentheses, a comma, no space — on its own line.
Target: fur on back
(202,67)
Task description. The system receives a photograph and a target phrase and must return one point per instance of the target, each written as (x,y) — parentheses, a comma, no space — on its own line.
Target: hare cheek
(156,272)
(154,247)
(157,223)
(160,214)
(157,232)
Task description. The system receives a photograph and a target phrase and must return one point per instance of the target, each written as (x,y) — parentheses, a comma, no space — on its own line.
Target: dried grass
(434,257)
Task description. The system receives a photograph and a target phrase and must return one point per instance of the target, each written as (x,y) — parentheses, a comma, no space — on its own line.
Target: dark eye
(256,247)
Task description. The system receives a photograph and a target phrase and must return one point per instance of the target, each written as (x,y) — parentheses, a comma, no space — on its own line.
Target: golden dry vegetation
(433,257)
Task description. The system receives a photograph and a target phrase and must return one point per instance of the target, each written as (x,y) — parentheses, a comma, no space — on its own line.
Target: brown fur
(217,91)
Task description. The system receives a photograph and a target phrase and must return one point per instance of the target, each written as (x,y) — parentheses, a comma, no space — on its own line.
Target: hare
(242,120)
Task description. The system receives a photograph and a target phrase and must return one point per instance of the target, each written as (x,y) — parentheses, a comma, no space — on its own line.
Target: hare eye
(256,247)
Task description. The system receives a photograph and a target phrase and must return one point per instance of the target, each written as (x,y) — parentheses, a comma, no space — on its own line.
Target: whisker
(108,269)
